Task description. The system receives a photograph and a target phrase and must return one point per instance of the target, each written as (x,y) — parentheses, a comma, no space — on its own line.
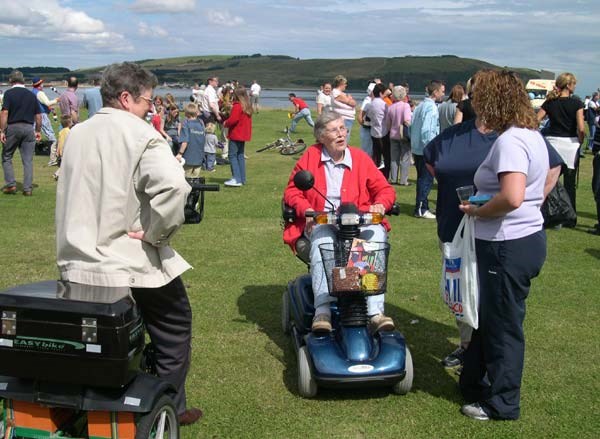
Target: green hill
(280,71)
(284,71)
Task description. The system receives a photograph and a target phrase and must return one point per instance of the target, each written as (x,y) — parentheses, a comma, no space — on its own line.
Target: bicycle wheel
(294,148)
(267,146)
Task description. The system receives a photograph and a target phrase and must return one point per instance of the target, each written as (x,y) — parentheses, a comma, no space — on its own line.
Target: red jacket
(239,124)
(363,185)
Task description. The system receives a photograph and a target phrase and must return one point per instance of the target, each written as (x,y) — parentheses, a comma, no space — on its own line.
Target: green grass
(243,372)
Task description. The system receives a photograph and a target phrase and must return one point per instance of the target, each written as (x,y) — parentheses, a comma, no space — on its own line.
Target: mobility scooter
(74,363)
(349,356)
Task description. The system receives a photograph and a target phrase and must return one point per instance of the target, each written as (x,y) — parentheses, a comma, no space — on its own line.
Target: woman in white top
(343,103)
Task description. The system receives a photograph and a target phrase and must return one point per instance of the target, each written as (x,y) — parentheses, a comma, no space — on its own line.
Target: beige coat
(118,175)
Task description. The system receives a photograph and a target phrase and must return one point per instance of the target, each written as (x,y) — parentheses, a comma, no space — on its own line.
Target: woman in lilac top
(510,245)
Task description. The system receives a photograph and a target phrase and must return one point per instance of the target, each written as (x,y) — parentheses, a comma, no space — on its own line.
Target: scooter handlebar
(206,187)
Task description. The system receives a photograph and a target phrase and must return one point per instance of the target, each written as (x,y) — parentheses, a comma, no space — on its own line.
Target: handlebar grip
(310,214)
(206,187)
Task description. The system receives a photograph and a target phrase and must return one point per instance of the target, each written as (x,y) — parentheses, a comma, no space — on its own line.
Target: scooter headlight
(350,219)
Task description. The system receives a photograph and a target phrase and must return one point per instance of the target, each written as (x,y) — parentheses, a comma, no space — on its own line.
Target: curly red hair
(500,101)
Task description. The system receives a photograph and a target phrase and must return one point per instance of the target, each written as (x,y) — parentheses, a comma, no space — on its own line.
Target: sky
(541,34)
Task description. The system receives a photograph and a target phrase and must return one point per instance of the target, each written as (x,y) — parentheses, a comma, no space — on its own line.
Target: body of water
(269,98)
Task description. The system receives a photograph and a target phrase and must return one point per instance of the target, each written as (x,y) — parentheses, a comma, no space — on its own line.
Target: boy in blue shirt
(192,139)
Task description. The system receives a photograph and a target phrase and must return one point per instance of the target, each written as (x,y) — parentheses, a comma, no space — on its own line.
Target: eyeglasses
(149,100)
(340,130)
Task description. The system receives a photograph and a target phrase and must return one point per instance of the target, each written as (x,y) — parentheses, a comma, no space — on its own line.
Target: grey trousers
(168,319)
(400,156)
(21,136)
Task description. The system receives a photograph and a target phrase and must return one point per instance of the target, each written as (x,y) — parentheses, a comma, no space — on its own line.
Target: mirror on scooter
(304,180)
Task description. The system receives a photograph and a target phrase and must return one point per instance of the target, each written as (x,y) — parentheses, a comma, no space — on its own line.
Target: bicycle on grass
(286,145)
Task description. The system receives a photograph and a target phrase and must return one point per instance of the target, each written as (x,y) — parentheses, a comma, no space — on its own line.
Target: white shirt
(255,89)
(210,97)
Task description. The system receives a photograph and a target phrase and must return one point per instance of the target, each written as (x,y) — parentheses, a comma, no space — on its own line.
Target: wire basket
(359,269)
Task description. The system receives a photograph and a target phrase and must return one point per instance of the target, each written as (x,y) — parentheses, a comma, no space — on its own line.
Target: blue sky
(541,34)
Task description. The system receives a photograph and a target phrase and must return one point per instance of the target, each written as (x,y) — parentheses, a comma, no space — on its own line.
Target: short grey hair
(399,92)
(126,76)
(16,77)
(322,121)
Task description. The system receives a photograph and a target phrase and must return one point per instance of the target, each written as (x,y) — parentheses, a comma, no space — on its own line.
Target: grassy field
(243,372)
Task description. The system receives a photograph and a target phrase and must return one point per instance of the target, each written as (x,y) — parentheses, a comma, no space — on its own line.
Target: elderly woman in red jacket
(240,132)
(345,175)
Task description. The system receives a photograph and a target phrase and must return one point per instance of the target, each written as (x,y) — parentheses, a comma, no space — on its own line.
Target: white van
(538,90)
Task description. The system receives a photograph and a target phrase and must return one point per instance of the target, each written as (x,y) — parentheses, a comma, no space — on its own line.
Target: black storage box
(70,333)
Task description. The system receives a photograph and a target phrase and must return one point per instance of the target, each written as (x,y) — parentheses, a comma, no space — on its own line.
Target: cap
(37,81)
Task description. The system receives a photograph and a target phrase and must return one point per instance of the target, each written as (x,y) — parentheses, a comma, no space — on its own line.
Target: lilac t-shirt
(516,150)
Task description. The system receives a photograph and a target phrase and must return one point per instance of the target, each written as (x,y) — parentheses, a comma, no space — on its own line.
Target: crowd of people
(483,134)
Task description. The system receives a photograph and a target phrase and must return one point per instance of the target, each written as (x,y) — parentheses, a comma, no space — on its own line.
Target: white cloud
(146,30)
(48,20)
(163,6)
(224,18)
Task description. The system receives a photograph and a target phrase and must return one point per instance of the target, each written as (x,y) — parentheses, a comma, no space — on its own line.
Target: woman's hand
(136,235)
(469,209)
(377,208)
(310,222)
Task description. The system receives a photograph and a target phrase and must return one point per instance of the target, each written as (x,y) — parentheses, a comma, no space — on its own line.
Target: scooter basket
(359,269)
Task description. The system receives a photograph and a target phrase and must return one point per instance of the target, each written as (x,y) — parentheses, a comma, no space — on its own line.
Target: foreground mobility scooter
(74,363)
(348,356)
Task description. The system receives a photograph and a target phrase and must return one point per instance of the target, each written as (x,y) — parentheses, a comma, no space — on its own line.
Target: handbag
(459,285)
(557,208)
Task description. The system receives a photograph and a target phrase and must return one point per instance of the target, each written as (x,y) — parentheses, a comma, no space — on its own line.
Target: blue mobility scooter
(349,356)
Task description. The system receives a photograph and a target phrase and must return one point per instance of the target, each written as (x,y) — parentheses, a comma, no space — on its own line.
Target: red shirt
(299,103)
(239,124)
(156,121)
(363,185)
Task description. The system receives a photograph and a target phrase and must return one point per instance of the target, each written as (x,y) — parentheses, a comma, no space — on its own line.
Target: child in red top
(240,132)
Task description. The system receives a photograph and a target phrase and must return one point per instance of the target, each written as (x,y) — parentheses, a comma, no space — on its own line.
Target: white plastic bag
(459,284)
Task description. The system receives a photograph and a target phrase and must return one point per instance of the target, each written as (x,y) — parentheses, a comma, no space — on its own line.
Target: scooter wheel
(161,422)
(285,313)
(404,386)
(307,387)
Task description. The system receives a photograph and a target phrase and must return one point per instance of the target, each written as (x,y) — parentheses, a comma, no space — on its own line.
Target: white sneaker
(381,165)
(426,215)
(232,183)
(474,411)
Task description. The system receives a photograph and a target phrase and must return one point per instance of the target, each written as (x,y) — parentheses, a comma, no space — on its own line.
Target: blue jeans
(348,124)
(302,114)
(592,127)
(366,142)
(324,234)
(237,161)
(424,183)
(210,158)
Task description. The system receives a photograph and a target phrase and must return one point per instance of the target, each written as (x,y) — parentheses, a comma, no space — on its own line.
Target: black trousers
(493,362)
(596,183)
(381,147)
(168,319)
(570,182)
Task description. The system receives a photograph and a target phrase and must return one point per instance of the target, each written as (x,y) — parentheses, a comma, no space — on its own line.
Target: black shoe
(594,231)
